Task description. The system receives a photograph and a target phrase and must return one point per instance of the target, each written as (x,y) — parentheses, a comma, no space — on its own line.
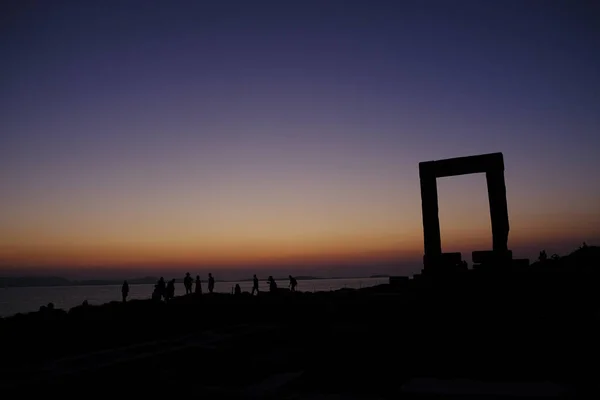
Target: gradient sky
(231,133)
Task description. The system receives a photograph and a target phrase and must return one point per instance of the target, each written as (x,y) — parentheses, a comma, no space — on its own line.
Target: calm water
(22,300)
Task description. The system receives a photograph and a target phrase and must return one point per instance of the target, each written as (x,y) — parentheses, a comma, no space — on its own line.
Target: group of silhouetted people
(273,284)
(166,290)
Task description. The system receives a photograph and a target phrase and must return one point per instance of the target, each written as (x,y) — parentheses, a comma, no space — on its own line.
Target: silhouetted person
(171,289)
(198,285)
(255,284)
(156,295)
(211,283)
(161,288)
(188,283)
(272,284)
(293,283)
(238,289)
(125,290)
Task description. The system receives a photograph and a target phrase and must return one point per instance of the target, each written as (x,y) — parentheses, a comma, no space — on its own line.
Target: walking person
(293,283)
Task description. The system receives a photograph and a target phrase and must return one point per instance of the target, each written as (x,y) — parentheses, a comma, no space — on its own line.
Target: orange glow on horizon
(215,254)
(285,251)
(279,224)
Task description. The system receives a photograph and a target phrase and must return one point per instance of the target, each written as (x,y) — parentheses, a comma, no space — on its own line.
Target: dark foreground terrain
(529,332)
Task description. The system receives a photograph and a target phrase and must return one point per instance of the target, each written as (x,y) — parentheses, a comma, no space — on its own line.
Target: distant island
(53,281)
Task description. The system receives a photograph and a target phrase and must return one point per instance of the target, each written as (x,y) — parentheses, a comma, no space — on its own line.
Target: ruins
(493,166)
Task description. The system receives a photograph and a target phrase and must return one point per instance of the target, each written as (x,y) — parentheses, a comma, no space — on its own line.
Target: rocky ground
(536,334)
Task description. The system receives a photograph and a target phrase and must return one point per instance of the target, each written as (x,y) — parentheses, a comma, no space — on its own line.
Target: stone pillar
(498,209)
(431,221)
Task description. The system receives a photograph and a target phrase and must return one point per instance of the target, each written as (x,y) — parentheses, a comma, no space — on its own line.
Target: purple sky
(217,132)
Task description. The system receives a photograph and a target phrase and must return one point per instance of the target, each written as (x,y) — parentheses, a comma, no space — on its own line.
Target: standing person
(187,283)
(156,293)
(272,284)
(255,285)
(198,285)
(293,283)
(170,290)
(161,287)
(211,283)
(125,290)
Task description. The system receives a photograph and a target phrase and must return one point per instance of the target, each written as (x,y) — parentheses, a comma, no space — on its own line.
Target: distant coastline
(52,281)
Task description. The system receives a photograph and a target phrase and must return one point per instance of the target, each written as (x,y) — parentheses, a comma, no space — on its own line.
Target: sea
(14,300)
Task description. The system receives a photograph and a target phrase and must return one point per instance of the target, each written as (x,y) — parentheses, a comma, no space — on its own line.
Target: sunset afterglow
(211,136)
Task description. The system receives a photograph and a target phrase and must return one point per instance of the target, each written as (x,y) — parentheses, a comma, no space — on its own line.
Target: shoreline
(138,281)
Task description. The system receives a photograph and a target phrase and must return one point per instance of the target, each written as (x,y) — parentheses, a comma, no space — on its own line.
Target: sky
(287,134)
